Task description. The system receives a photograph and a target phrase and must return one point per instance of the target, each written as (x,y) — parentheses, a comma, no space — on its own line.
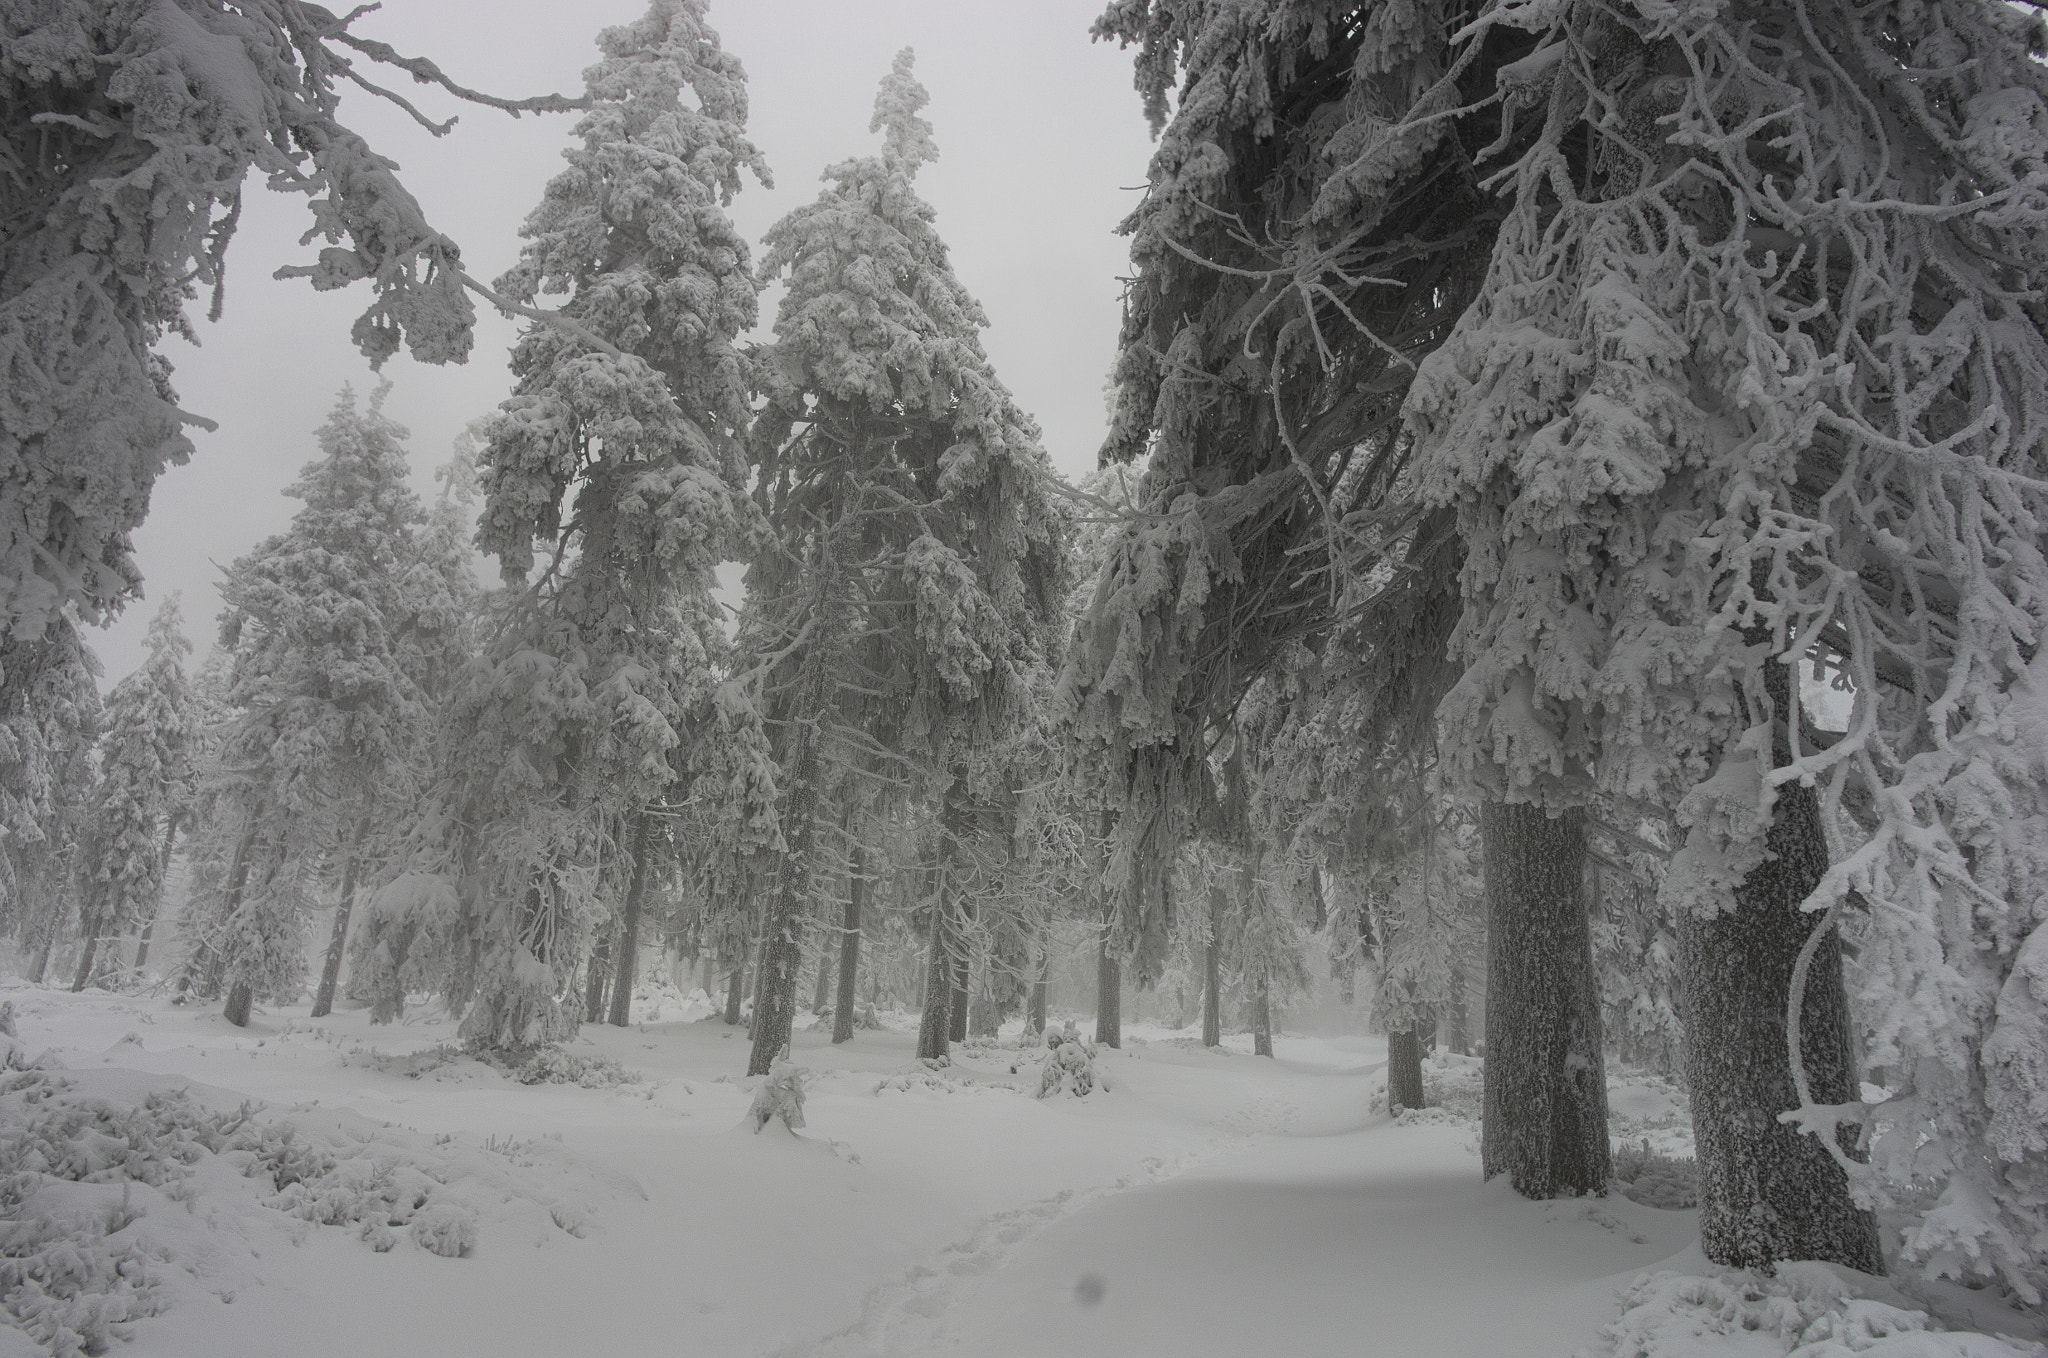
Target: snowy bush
(1810,1310)
(781,1095)
(445,1229)
(1655,1180)
(554,1066)
(1069,1064)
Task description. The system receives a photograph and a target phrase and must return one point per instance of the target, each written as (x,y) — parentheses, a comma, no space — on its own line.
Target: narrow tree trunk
(337,944)
(849,948)
(89,948)
(163,875)
(240,998)
(735,981)
(1767,1191)
(1034,1011)
(1545,1118)
(596,972)
(935,1027)
(956,1014)
(1404,1069)
(1262,1014)
(629,928)
(1109,1020)
(1212,973)
(821,990)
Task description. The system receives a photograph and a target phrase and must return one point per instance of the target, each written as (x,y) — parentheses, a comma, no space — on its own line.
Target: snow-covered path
(1317,1237)
(1204,1203)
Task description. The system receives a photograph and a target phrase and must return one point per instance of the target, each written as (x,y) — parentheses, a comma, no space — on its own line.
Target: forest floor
(325,1187)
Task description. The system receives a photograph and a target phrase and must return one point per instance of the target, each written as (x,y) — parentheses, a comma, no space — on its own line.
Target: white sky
(1042,147)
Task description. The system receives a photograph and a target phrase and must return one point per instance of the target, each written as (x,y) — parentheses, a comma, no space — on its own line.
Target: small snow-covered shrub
(1807,1310)
(781,1095)
(1069,1064)
(1656,1180)
(446,1229)
(554,1066)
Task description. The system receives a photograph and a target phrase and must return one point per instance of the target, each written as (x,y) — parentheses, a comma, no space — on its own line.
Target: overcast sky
(1042,150)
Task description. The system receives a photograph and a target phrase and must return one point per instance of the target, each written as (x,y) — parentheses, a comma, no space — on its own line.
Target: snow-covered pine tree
(340,633)
(129,131)
(48,723)
(611,485)
(894,467)
(145,769)
(1730,394)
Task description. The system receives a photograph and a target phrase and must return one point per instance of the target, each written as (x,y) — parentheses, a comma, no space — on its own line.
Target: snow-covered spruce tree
(1732,392)
(896,471)
(340,634)
(145,769)
(129,129)
(611,492)
(48,723)
(1314,225)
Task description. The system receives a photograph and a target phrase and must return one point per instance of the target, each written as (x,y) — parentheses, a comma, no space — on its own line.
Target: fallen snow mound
(1808,1310)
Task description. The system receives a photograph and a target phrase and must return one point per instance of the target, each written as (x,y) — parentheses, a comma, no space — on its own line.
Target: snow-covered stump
(1545,1118)
(1769,1192)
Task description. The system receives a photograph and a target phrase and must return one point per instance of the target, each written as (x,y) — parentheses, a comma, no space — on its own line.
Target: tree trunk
(821,991)
(1545,1117)
(956,1015)
(1262,1015)
(1034,1010)
(935,1027)
(88,950)
(735,980)
(849,948)
(163,875)
(1109,1021)
(596,973)
(782,952)
(1769,1192)
(330,968)
(41,965)
(629,928)
(240,998)
(1457,1038)
(1212,973)
(1404,1069)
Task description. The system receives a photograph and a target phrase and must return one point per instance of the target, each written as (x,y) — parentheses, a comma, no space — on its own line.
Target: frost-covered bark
(344,907)
(934,1027)
(129,129)
(1545,1115)
(626,969)
(1109,983)
(1212,971)
(850,926)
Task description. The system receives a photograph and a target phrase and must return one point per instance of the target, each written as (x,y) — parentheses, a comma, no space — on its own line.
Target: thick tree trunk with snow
(240,1000)
(1404,1069)
(624,973)
(337,943)
(956,1013)
(935,1026)
(88,950)
(1767,1191)
(1109,977)
(1212,973)
(849,948)
(1262,1015)
(41,965)
(1545,1119)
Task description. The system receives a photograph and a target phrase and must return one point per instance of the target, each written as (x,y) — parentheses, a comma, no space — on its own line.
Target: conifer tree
(611,486)
(129,130)
(48,723)
(339,634)
(916,566)
(145,769)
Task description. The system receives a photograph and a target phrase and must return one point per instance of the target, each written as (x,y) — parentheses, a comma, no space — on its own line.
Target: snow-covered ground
(329,1188)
